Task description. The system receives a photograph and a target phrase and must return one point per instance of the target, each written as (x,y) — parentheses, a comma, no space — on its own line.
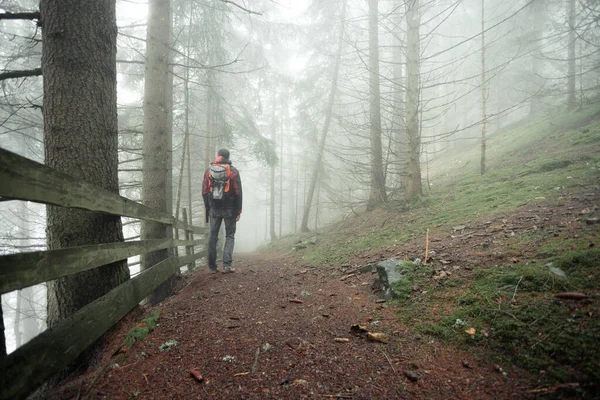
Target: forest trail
(249,339)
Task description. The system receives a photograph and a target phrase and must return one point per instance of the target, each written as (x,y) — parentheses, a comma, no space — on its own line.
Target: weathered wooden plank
(25,179)
(31,365)
(25,269)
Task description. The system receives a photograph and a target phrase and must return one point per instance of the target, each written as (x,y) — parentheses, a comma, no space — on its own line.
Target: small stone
(412,376)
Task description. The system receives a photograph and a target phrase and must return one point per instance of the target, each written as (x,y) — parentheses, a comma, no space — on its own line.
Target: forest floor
(280,328)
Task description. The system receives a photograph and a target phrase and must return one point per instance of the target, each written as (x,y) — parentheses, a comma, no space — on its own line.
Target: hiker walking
(222,193)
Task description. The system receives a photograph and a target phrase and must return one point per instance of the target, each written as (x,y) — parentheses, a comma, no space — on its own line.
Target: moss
(140,331)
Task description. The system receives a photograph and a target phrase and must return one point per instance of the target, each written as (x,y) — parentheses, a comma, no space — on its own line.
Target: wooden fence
(28,367)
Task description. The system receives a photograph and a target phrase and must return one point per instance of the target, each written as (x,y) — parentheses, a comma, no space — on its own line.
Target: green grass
(515,314)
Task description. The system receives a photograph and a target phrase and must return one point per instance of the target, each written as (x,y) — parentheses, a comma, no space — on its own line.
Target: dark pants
(216,217)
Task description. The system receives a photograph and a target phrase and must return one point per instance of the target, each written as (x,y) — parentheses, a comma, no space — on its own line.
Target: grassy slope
(529,163)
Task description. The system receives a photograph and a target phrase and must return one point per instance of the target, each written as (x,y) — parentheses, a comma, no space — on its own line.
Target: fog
(345,102)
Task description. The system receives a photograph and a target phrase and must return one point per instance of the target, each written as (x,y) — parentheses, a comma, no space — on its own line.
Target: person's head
(223,153)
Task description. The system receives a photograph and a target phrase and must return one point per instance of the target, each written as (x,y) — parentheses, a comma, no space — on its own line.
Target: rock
(412,376)
(556,271)
(314,240)
(389,275)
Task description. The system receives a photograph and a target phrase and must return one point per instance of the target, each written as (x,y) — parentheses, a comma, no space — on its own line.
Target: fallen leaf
(241,374)
(300,382)
(378,337)
(471,331)
(341,340)
(296,301)
(359,329)
(197,375)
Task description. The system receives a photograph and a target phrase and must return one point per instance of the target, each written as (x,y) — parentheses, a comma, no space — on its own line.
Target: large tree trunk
(80,128)
(328,114)
(412,175)
(399,131)
(483,92)
(378,195)
(571,91)
(156,182)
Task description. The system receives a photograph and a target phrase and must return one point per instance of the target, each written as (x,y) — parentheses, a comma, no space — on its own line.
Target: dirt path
(246,338)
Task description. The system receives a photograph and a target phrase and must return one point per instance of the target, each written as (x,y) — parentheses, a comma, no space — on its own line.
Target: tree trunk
(378,195)
(538,17)
(413,185)
(156,181)
(80,128)
(483,92)
(571,91)
(399,131)
(2,336)
(328,114)
(273,234)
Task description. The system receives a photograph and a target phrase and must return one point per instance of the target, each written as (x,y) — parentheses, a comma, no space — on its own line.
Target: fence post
(188,235)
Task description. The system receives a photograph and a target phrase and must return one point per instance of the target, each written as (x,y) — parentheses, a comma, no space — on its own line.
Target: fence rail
(24,179)
(32,364)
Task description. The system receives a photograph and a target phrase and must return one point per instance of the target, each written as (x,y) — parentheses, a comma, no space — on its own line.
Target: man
(222,193)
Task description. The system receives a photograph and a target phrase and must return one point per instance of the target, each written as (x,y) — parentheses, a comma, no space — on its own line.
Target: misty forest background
(329,108)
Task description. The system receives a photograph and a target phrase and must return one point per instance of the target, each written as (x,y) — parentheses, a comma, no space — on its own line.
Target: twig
(426,246)
(516,287)
(389,361)
(240,7)
(255,360)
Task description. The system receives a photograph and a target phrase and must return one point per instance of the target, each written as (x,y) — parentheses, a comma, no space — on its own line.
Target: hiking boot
(227,270)
(213,271)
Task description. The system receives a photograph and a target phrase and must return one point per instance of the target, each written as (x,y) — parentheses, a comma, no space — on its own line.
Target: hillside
(501,246)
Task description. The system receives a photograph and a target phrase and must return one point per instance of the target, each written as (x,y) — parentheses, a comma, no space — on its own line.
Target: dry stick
(255,359)
(516,287)
(426,246)
(388,359)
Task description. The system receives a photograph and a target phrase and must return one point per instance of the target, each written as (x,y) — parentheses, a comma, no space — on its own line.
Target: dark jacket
(233,198)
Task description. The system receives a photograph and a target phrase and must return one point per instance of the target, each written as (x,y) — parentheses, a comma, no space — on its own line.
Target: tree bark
(156,181)
(413,185)
(272,232)
(538,16)
(483,92)
(2,336)
(571,91)
(80,128)
(328,115)
(399,130)
(378,194)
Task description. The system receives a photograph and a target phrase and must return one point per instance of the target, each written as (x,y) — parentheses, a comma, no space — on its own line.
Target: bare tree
(377,194)
(157,169)
(483,92)
(571,74)
(318,166)
(413,183)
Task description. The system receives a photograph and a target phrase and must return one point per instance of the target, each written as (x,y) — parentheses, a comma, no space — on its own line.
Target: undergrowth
(514,312)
